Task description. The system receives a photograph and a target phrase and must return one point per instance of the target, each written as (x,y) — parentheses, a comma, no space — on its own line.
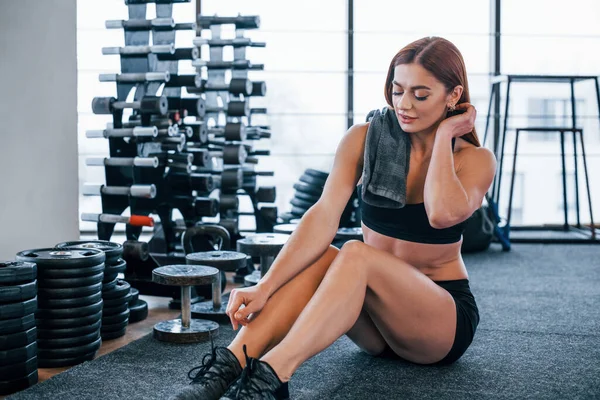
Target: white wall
(38,124)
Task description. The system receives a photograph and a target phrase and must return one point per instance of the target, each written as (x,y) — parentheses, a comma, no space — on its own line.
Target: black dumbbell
(136,77)
(139,50)
(240,22)
(237,42)
(147,105)
(199,206)
(141,191)
(203,183)
(236,86)
(148,24)
(235,64)
(186,53)
(142,162)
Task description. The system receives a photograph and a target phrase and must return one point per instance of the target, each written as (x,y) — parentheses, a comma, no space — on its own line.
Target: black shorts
(467,319)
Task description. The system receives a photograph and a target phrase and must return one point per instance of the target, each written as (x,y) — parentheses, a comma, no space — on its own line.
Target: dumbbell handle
(150,131)
(136,77)
(237,42)
(139,50)
(141,191)
(134,220)
(141,24)
(144,162)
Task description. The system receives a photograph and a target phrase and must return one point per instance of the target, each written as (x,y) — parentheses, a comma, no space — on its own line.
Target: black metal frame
(499,143)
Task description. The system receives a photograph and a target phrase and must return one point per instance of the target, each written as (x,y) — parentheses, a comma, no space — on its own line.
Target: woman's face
(420,100)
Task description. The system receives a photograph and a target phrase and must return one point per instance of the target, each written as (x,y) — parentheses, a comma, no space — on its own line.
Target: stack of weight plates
(116,310)
(309,190)
(115,313)
(18,347)
(69,311)
(138,309)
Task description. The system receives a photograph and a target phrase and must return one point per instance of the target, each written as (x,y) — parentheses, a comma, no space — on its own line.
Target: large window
(306,75)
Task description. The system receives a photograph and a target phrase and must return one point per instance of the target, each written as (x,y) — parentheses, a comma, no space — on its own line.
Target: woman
(405,290)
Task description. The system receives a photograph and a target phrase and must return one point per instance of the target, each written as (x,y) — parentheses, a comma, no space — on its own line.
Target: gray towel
(386,161)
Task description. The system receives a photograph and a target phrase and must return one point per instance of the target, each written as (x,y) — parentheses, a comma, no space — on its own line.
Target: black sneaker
(258,381)
(211,379)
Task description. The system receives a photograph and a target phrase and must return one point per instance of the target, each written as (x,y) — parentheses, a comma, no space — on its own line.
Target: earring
(451,107)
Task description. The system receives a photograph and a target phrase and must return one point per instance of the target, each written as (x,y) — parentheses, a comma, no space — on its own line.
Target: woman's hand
(251,300)
(461,124)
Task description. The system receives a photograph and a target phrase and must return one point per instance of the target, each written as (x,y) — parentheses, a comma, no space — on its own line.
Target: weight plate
(109,277)
(18,339)
(108,286)
(68,342)
(17,324)
(306,197)
(62,258)
(316,173)
(286,217)
(18,371)
(134,295)
(76,351)
(114,334)
(121,289)
(69,332)
(70,303)
(301,203)
(112,250)
(18,354)
(298,212)
(115,310)
(17,310)
(311,180)
(138,311)
(262,244)
(116,318)
(68,322)
(66,362)
(12,386)
(113,327)
(286,229)
(71,282)
(47,273)
(16,292)
(76,312)
(68,293)
(228,261)
(308,189)
(17,271)
(117,268)
(117,301)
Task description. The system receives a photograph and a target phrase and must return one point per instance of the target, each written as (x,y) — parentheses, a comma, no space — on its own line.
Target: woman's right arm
(319,225)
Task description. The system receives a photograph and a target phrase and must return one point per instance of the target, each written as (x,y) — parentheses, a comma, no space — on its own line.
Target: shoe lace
(201,373)
(248,380)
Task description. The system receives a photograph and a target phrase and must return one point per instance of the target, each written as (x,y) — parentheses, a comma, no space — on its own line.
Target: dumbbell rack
(146,69)
(216,71)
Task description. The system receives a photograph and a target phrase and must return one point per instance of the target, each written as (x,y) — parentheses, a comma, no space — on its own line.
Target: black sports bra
(407,223)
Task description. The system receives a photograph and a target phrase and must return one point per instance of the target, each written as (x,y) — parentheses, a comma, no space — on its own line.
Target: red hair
(442,59)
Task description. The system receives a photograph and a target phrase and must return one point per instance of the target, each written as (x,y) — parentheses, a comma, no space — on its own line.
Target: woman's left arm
(452,197)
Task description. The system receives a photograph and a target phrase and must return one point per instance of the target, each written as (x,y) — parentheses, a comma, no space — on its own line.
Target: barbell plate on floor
(68,342)
(48,273)
(308,189)
(17,271)
(138,311)
(18,310)
(174,332)
(67,293)
(68,322)
(66,362)
(18,339)
(285,228)
(17,292)
(228,261)
(62,258)
(262,244)
(82,281)
(17,324)
(76,312)
(71,302)
(316,173)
